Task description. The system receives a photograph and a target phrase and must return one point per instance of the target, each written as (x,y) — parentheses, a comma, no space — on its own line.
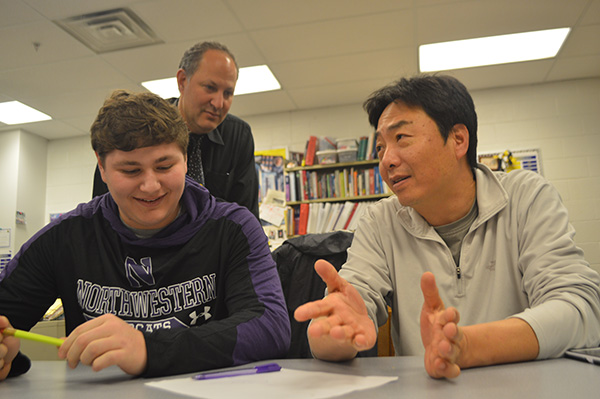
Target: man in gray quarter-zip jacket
(496,248)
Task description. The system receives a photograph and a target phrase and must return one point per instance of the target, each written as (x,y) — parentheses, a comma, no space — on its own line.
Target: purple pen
(265,368)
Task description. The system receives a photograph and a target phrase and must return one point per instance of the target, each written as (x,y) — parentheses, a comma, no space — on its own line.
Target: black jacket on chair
(295,260)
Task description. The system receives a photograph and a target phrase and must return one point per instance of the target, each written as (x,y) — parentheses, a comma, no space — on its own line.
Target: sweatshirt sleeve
(563,290)
(256,324)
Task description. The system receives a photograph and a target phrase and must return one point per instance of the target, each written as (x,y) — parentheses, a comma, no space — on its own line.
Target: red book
(371,181)
(351,215)
(305,192)
(303,222)
(311,151)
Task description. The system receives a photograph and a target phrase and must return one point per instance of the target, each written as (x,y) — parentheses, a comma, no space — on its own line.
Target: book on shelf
(313,214)
(324,211)
(362,148)
(362,206)
(311,151)
(352,212)
(314,218)
(303,220)
(287,188)
(370,150)
(304,185)
(292,186)
(314,186)
(296,219)
(344,214)
(332,216)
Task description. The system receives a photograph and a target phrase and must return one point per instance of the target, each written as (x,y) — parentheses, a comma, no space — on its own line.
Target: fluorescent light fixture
(491,50)
(254,79)
(15,112)
(166,88)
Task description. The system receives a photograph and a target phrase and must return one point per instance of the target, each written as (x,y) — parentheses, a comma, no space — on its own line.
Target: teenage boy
(156,277)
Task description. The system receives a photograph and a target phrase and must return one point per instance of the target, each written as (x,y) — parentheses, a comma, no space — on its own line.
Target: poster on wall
(54,216)
(4,237)
(269,168)
(5,253)
(21,218)
(5,257)
(508,160)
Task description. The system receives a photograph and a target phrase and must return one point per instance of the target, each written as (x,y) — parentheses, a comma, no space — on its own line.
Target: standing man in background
(221,148)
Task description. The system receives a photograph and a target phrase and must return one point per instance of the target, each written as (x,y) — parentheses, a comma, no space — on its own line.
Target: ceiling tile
(50,130)
(18,50)
(174,20)
(47,80)
(147,63)
(519,73)
(482,18)
(592,15)
(59,9)
(584,40)
(575,68)
(327,95)
(346,68)
(16,12)
(262,103)
(81,102)
(343,36)
(260,14)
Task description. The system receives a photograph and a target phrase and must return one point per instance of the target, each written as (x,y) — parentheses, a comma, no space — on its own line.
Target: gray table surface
(558,378)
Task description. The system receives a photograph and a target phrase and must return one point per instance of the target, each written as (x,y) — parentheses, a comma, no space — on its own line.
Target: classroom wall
(31,185)
(9,157)
(561,119)
(71,165)
(23,177)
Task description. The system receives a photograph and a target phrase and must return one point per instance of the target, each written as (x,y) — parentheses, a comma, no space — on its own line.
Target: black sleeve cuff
(20,365)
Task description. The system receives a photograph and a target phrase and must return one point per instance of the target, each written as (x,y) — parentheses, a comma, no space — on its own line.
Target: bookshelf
(327,197)
(335,182)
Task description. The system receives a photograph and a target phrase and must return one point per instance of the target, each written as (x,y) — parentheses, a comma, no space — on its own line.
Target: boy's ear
(100,166)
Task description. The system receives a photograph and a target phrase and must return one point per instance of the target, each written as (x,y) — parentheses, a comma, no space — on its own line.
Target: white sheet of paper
(287,383)
(273,214)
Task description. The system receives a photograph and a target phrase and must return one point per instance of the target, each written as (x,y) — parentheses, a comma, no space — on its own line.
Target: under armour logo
(195,317)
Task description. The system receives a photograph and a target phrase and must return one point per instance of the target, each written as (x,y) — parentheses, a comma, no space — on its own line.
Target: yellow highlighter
(32,336)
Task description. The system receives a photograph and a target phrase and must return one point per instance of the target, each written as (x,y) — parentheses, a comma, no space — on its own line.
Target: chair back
(295,260)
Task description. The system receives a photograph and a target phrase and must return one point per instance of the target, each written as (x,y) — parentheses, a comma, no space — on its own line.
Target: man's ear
(181,80)
(100,167)
(460,136)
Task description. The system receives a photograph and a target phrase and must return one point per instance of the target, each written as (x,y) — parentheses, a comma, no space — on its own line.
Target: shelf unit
(330,183)
(369,189)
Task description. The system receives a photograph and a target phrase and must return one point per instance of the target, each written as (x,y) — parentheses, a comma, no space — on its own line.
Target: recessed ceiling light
(491,50)
(15,112)
(166,88)
(254,79)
